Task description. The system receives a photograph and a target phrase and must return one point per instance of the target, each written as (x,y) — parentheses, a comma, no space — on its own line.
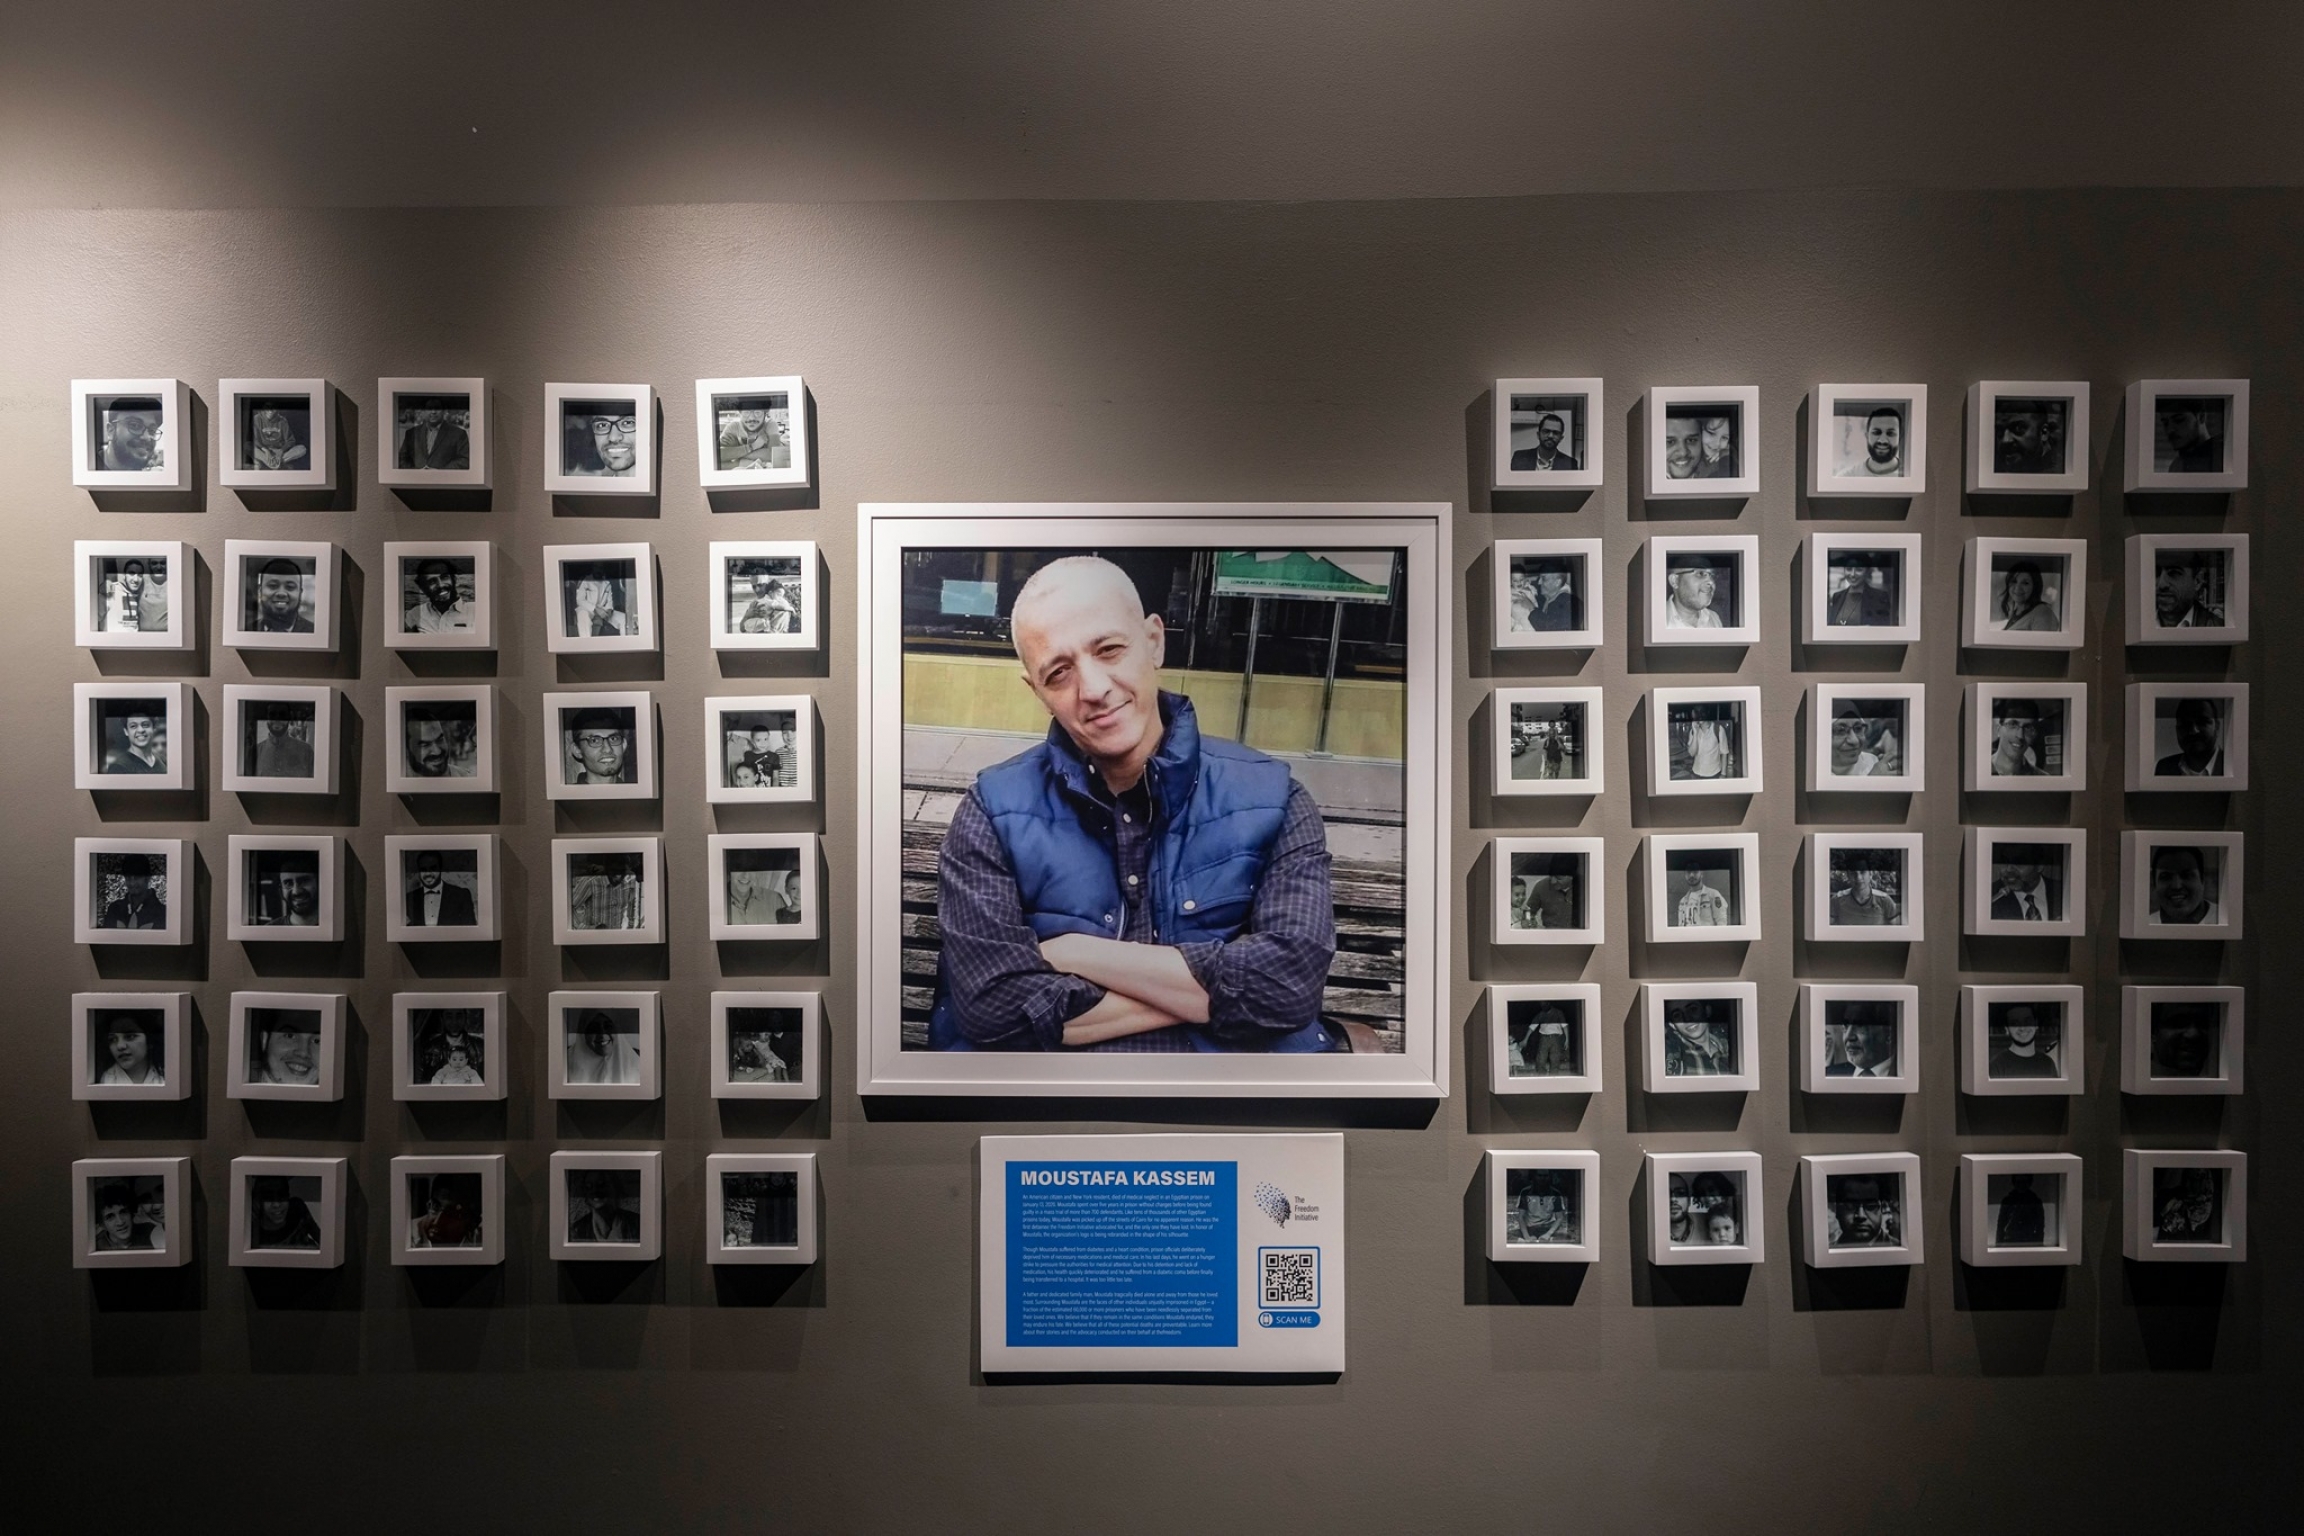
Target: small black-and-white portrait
(2186,1039)
(2029,434)
(127,433)
(132,594)
(1707,1209)
(764,595)
(2188,587)
(602,1044)
(1707,740)
(603,1205)
(2187,884)
(2028,737)
(601,438)
(440,738)
(128,1047)
(283,1047)
(753,431)
(1868,437)
(596,598)
(1868,737)
(758,748)
(764,1045)
(1864,1210)
(1548,433)
(2188,1205)
(607,892)
(1700,592)
(131,736)
(1865,588)
(2024,1038)
(280,1211)
(277,595)
(760,1210)
(763,886)
(440,887)
(1543,1205)
(1545,1036)
(436,594)
(432,431)
(2028,882)
(1547,593)
(1548,891)
(129,890)
(445,1210)
(2027,1209)
(128,1214)
(1860,1038)
(1700,1037)
(282,888)
(1704,440)
(2188,737)
(2188,434)
(1702,888)
(596,745)
(2028,593)
(1548,739)
(1867,887)
(276,738)
(449,1048)
(274,433)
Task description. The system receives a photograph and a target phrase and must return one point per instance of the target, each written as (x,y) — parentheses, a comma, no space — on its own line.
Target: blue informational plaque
(1163,1253)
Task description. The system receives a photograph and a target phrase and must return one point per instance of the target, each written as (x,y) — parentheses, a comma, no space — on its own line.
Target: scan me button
(1287,1319)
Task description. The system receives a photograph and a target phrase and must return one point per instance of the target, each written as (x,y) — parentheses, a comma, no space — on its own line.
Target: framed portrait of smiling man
(600,439)
(132,735)
(440,740)
(2181,885)
(2187,589)
(128,435)
(279,595)
(751,433)
(440,595)
(600,746)
(132,595)
(286,890)
(128,1212)
(285,1045)
(1863,589)
(1703,441)
(2023,1040)
(1704,589)
(1867,738)
(1869,440)
(1153,799)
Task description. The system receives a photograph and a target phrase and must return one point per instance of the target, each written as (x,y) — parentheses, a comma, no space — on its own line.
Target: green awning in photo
(1333,575)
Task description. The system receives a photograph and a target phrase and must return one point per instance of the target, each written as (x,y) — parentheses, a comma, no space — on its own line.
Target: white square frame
(1976,1041)
(481,636)
(557,1007)
(1978,1246)
(88,746)
(398,780)
(1589,474)
(2144,626)
(176,1070)
(1505,638)
(240,555)
(1984,399)
(1824,700)
(489,1169)
(1594,779)
(811,924)
(1746,397)
(2139,1235)
(2136,1042)
(804,750)
(319,472)
(1911,574)
(175,471)
(329,928)
(640,611)
(2143,754)
(487,887)
(334,1174)
(806,635)
(328,1087)
(1824,477)
(716,1247)
(1976,883)
(1501,997)
(238,698)
(175,1176)
(559,480)
(495,1069)
(2143,431)
(807,1084)
(1501,1164)
(1741,550)
(643,754)
(1656,996)
(183,888)
(1816,1209)
(651,851)
(1746,847)
(649,1218)
(475,476)
(708,472)
(2136,850)
(1816,999)
(1912,904)
(1659,1167)
(1976,774)
(1592,850)
(1660,780)
(1976,596)
(87,596)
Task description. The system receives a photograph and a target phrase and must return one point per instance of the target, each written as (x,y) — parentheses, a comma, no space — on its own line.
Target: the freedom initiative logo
(1273,1202)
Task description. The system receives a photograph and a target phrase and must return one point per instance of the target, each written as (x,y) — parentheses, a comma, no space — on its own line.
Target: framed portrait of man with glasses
(600,439)
(600,746)
(128,435)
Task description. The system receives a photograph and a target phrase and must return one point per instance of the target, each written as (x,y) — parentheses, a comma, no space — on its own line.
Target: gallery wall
(1171,352)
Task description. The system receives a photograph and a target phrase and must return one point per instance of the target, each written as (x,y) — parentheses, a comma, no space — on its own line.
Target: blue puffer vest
(1218,809)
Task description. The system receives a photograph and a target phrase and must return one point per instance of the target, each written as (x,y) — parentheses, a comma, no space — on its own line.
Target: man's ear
(1156,631)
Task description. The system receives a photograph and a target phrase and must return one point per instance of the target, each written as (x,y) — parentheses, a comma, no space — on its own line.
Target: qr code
(1291,1277)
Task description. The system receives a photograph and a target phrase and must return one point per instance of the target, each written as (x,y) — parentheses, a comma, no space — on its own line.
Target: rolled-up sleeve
(1002,992)
(1270,978)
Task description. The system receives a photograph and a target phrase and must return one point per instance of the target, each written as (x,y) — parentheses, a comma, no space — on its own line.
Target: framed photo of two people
(1153,799)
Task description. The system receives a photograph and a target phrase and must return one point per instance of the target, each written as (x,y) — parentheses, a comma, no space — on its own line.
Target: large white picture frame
(2213,455)
(247,448)
(152,607)
(2048,457)
(1543,1222)
(1850,427)
(98,466)
(735,452)
(1572,413)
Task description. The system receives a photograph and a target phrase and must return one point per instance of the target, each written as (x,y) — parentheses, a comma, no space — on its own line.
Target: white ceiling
(171,103)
